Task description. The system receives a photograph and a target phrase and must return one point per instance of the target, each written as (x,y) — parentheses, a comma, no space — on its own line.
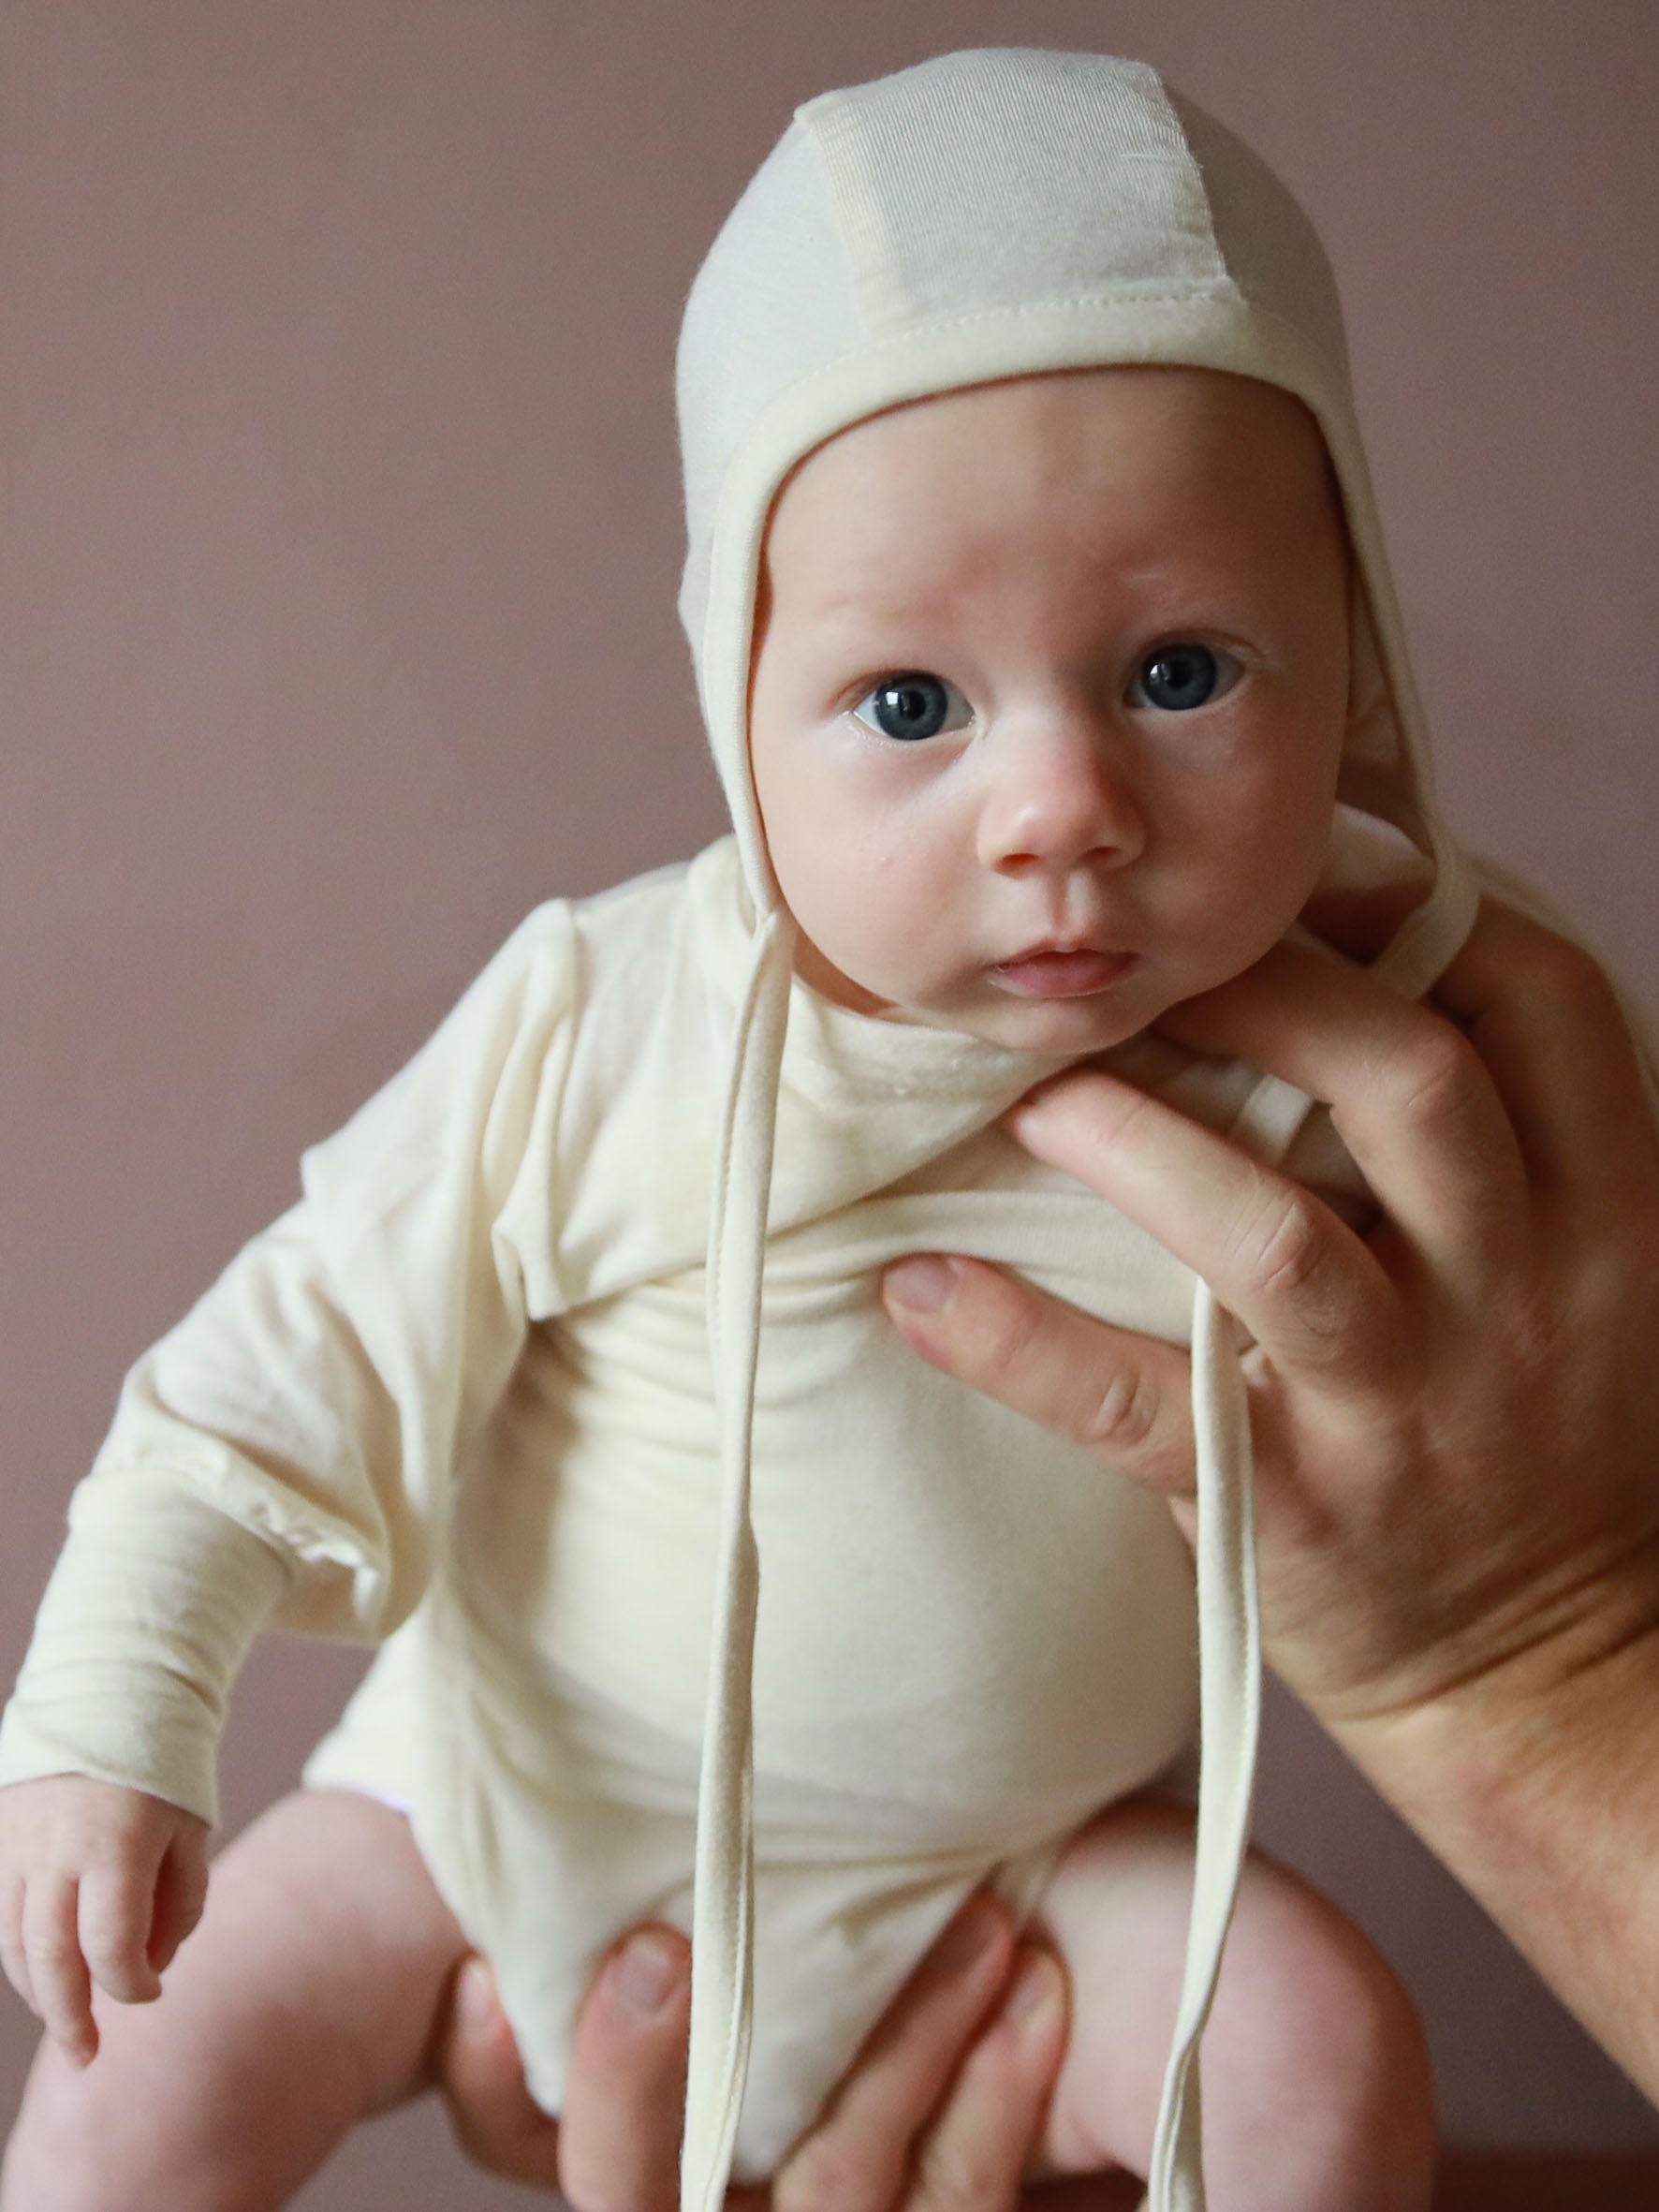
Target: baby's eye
(1176,678)
(914,705)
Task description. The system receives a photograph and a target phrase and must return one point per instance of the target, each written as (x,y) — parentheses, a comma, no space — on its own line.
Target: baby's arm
(97,1884)
(305,2002)
(284,1457)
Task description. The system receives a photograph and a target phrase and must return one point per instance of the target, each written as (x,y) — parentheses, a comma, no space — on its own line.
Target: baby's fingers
(181,1893)
(60,1987)
(14,1960)
(116,1907)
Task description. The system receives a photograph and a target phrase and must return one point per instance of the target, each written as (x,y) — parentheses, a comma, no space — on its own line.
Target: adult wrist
(1537,1783)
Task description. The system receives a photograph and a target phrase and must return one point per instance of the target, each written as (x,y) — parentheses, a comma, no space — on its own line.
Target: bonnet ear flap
(1386,777)
(723,1896)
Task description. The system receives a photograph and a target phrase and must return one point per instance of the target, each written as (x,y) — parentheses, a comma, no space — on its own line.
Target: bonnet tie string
(1229,1618)
(723,1894)
(1229,1710)
(1229,1632)
(1229,1674)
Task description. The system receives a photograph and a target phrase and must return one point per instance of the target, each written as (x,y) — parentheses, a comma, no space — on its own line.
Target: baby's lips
(1047,972)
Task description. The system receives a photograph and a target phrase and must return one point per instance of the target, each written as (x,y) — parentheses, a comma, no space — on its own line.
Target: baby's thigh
(304,2002)
(1315,2080)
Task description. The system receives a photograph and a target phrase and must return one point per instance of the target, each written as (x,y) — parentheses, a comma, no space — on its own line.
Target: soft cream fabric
(471,1385)
(481,1342)
(982,216)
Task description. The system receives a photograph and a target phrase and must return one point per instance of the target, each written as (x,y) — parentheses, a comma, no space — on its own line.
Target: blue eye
(1176,678)
(913,706)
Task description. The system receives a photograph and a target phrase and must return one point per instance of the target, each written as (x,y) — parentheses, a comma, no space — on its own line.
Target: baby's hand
(96,1882)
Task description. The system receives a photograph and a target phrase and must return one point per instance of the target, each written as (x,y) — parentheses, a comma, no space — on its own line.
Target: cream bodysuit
(579,1316)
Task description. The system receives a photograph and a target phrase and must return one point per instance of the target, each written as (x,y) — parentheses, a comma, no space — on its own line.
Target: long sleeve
(286,1455)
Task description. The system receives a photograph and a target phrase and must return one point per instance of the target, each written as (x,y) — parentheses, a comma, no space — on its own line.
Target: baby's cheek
(1223,942)
(1272,869)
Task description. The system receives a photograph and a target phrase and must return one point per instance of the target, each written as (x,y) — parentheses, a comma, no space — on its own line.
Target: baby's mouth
(1057,972)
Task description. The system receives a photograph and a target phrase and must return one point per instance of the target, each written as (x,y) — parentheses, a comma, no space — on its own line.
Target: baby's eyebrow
(857,605)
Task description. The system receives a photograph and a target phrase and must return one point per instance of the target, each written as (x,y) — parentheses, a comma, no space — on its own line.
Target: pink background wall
(337,556)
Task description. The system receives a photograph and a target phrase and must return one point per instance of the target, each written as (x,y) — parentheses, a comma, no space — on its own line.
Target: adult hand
(1455,1423)
(917,2126)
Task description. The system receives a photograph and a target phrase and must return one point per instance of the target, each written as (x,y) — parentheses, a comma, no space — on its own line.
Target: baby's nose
(1060,793)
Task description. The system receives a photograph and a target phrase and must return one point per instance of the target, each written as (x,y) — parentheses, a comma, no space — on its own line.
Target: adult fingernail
(647,1972)
(923,1282)
(1036,1985)
(1031,1103)
(476,2003)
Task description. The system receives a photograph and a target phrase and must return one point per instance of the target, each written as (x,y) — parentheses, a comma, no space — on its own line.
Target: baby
(1047,652)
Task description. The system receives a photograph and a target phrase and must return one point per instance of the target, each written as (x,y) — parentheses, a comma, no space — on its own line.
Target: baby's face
(1049,696)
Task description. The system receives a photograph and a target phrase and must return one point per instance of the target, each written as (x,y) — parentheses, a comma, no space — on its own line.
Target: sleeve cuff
(149,1613)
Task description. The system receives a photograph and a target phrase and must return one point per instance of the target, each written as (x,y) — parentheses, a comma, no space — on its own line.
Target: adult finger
(1313,1293)
(858,2156)
(1408,1092)
(619,2146)
(1547,1023)
(476,2061)
(113,1913)
(973,2157)
(57,1972)
(1125,1397)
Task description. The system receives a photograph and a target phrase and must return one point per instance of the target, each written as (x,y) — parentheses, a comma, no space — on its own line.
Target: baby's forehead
(1207,419)
(1116,452)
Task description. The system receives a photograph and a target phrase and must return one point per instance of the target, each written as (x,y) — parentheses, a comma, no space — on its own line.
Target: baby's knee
(1326,2065)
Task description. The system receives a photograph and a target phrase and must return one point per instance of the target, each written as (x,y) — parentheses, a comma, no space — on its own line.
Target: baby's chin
(1064,1029)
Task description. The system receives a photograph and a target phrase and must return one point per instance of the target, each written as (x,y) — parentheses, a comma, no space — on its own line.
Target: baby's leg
(304,2002)
(1316,2082)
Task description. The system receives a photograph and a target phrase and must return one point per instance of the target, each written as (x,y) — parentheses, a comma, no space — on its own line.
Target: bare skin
(313,1995)
(368,2030)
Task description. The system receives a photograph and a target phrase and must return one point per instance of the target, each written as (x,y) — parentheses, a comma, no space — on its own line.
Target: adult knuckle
(586,2190)
(1288,1248)
(1008,1343)
(1564,975)
(1531,1325)
(588,2186)
(831,2172)
(1434,1082)
(955,2178)
(1123,1411)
